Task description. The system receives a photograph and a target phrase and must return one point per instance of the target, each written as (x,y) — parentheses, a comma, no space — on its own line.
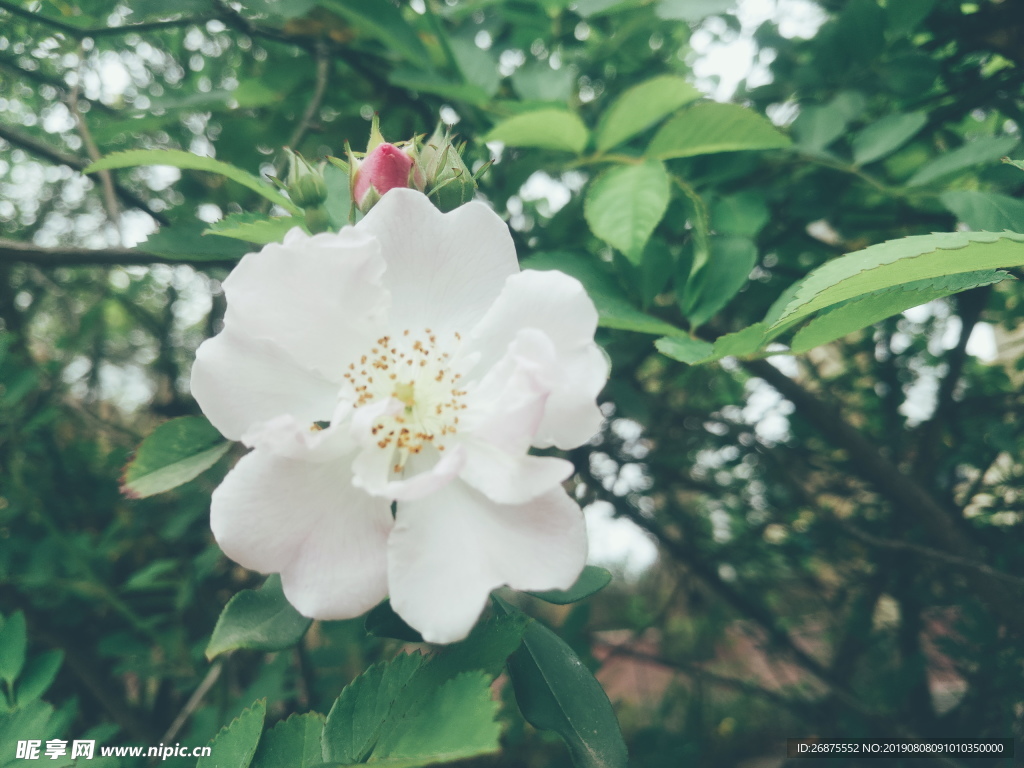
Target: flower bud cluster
(308,190)
(434,167)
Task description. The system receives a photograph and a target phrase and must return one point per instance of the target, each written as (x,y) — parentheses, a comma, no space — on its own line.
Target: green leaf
(387,714)
(186,160)
(909,74)
(537,81)
(292,743)
(177,451)
(385,22)
(691,10)
(387,717)
(149,576)
(742,343)
(656,269)
(254,228)
(897,262)
(1015,163)
(38,675)
(478,67)
(744,213)
(721,278)
(588,8)
(987,149)
(544,129)
(624,205)
(614,309)
(904,17)
(259,619)
(382,621)
(460,721)
(987,211)
(235,745)
(31,721)
(185,242)
(868,310)
(885,136)
(591,581)
(359,716)
(686,349)
(284,11)
(704,129)
(13,641)
(418,79)
(339,193)
(486,649)
(556,692)
(817,127)
(640,107)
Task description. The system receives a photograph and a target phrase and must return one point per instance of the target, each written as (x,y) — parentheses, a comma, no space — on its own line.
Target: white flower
(405,359)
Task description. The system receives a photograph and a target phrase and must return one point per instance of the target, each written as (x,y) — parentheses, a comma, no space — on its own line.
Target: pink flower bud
(385,168)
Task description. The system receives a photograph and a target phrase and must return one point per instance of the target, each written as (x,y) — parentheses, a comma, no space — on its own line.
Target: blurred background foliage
(802,583)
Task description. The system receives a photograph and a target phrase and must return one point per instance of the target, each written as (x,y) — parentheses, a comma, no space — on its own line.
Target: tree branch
(359,62)
(777,634)
(80,32)
(322,70)
(929,552)
(42,149)
(14,252)
(970,304)
(800,708)
(904,492)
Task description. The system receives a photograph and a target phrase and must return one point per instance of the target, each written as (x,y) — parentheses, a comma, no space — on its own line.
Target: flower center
(416,369)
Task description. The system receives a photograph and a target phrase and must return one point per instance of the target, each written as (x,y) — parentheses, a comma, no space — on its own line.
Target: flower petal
(319,297)
(288,507)
(506,406)
(448,550)
(372,471)
(512,479)
(558,305)
(240,381)
(340,571)
(505,410)
(444,270)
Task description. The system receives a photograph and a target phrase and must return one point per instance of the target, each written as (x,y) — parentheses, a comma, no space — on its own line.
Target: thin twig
(194,701)
(106,177)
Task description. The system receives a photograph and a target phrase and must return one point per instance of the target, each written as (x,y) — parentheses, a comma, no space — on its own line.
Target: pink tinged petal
(507,405)
(240,381)
(558,306)
(504,413)
(444,269)
(287,507)
(572,416)
(513,479)
(450,549)
(319,297)
(385,168)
